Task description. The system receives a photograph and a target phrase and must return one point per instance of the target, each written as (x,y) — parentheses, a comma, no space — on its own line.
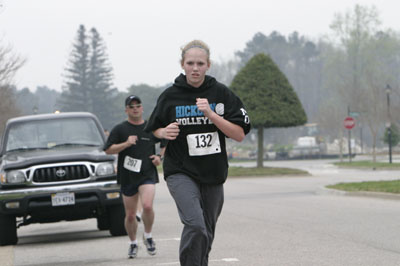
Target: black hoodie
(199,150)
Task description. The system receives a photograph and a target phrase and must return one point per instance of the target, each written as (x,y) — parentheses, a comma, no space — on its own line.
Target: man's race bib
(203,144)
(132,164)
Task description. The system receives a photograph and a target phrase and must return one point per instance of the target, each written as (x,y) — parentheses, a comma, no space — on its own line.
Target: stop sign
(349,122)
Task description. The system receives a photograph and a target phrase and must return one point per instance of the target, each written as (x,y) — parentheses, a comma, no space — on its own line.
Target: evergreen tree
(268,96)
(89,77)
(75,95)
(394,135)
(298,58)
(100,81)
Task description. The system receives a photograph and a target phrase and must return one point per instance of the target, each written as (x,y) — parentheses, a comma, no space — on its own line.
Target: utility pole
(389,122)
(349,141)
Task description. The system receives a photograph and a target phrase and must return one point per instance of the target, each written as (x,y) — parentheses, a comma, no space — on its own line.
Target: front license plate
(63,198)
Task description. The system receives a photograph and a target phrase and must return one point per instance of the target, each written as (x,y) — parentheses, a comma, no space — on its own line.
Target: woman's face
(195,64)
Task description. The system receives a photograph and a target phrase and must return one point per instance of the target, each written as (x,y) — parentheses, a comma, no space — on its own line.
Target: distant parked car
(268,155)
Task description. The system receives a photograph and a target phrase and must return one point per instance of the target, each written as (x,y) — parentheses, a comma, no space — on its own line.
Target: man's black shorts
(130,190)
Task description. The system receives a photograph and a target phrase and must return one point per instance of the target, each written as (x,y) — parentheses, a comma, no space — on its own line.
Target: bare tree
(361,66)
(8,108)
(9,64)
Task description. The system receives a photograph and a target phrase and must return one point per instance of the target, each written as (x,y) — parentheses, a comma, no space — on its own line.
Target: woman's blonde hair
(195,44)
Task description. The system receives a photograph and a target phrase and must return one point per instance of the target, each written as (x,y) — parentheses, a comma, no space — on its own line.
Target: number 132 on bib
(203,144)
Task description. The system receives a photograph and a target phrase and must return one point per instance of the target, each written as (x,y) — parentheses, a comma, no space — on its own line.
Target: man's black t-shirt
(134,163)
(199,150)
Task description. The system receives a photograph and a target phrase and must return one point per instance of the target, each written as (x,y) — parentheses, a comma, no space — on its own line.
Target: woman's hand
(204,106)
(169,132)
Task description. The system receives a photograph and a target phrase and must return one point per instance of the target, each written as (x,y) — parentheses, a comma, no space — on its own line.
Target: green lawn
(265,171)
(373,186)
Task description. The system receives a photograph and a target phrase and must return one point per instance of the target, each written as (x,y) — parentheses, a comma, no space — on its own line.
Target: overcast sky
(143,38)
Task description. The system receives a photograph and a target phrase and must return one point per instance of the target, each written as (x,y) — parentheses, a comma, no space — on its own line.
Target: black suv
(53,168)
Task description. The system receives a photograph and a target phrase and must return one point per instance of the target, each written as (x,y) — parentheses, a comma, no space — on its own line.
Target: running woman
(195,115)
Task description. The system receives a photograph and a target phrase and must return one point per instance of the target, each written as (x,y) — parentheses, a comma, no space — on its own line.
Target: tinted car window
(45,134)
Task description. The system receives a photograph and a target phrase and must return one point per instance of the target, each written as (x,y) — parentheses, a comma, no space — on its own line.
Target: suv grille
(60,173)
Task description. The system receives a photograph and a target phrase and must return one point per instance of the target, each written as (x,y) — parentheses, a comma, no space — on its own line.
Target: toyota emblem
(60,173)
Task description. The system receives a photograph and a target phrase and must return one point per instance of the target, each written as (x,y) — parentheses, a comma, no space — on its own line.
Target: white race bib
(203,144)
(132,164)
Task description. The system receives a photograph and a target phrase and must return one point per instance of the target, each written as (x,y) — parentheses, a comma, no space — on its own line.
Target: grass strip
(392,186)
(264,171)
(369,164)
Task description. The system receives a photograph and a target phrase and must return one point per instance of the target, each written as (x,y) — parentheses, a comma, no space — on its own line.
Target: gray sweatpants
(199,206)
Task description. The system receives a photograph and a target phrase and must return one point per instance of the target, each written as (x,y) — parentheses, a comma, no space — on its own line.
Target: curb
(368,194)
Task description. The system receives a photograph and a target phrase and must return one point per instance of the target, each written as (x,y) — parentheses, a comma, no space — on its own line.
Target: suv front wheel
(117,220)
(8,230)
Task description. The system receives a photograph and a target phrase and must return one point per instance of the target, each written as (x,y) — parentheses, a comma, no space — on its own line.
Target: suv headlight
(105,169)
(13,177)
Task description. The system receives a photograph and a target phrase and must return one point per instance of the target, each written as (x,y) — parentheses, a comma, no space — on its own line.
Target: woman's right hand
(171,131)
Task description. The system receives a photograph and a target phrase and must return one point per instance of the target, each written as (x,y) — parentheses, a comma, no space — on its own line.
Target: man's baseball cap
(131,98)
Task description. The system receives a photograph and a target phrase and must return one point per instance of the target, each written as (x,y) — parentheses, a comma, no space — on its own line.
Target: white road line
(229,259)
(167,239)
(215,260)
(177,262)
(168,263)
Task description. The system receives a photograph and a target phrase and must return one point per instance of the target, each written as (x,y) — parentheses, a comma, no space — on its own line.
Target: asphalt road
(265,221)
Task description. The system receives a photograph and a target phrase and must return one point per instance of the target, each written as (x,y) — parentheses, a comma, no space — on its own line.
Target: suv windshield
(53,133)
